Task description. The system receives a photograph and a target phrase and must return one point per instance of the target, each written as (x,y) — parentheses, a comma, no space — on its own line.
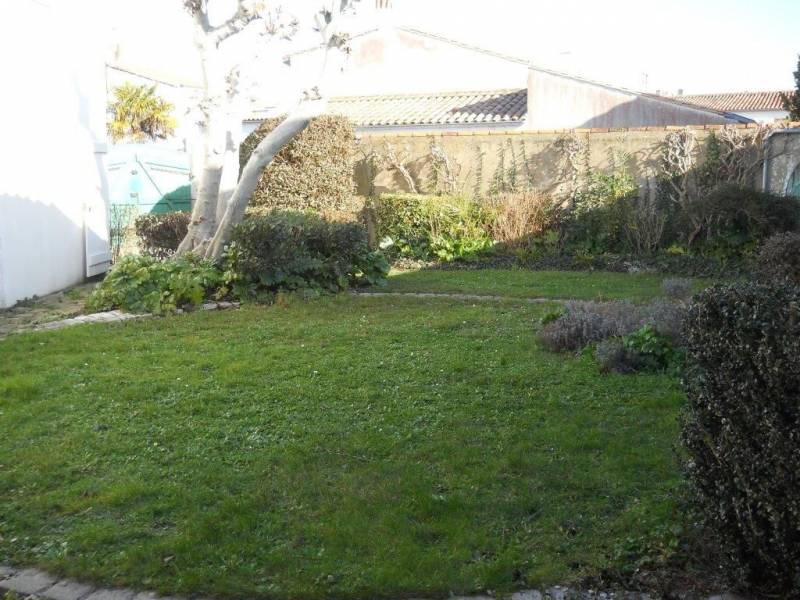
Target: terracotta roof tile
(439,108)
(736,101)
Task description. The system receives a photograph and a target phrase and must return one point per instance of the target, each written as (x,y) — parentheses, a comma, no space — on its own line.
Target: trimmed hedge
(313,171)
(742,428)
(286,250)
(161,234)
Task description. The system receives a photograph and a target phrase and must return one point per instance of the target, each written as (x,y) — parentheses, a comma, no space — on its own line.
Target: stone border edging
(459,296)
(113,316)
(34,583)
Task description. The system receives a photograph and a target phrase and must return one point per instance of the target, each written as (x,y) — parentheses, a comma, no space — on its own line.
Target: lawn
(520,283)
(339,448)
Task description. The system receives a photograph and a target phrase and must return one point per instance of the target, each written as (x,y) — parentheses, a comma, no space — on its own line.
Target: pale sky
(695,45)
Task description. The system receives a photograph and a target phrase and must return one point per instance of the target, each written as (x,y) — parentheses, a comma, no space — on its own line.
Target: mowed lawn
(339,448)
(521,283)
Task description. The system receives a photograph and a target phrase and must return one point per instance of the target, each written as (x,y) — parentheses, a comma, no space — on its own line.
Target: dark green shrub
(285,250)
(742,428)
(161,234)
(422,227)
(735,219)
(779,258)
(596,222)
(314,170)
(144,284)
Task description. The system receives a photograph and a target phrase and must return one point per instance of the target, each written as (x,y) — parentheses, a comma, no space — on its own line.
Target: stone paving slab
(113,316)
(28,581)
(111,594)
(68,590)
(110,316)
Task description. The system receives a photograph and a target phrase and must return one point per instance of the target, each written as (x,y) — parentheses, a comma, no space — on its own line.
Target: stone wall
(475,156)
(783,157)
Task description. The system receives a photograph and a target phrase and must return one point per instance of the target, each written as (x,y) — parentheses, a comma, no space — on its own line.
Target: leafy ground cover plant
(142,284)
(741,429)
(447,228)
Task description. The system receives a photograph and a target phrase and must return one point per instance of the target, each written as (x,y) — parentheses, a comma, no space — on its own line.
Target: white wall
(52,119)
(765,116)
(563,102)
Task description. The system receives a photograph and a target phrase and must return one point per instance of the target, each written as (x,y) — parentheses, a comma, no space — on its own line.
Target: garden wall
(782,172)
(476,160)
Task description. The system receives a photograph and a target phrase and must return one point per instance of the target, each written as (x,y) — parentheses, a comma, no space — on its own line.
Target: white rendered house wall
(52,182)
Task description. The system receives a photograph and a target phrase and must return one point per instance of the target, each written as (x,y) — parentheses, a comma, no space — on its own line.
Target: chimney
(384,15)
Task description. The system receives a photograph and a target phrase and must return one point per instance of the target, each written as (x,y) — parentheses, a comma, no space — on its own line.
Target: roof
(439,108)
(482,107)
(737,101)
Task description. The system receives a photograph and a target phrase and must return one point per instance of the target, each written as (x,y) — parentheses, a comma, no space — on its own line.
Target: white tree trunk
(222,196)
(260,159)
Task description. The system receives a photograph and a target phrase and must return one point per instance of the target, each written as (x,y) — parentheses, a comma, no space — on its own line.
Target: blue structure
(146,178)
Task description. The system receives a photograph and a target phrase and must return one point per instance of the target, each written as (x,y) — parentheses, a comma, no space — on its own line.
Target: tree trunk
(260,159)
(222,195)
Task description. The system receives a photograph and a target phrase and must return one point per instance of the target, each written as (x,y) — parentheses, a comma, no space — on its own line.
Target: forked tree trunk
(222,195)
(259,160)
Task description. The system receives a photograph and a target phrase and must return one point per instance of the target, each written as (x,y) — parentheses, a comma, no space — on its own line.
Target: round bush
(779,258)
(160,234)
(742,428)
(314,170)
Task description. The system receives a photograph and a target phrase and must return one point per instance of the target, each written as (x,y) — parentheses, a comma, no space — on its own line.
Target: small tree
(222,193)
(139,114)
(791,101)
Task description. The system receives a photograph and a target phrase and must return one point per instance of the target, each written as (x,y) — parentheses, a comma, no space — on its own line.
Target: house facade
(53,198)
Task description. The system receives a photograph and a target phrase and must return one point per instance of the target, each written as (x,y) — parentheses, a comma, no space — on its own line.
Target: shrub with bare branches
(520,216)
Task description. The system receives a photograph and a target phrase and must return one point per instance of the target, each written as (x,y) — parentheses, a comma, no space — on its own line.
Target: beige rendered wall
(640,145)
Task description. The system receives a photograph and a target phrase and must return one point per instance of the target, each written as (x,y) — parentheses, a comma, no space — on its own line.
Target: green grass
(340,448)
(519,283)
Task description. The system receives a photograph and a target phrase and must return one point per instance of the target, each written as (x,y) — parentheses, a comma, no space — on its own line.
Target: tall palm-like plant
(139,114)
